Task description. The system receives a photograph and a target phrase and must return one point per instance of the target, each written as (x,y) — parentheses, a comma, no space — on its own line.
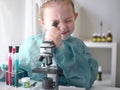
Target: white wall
(11,25)
(90,14)
(15,24)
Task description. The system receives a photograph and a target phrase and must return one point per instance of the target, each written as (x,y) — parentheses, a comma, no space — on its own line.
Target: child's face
(62,13)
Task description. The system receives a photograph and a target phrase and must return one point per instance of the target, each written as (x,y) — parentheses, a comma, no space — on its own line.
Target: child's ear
(76,15)
(41,21)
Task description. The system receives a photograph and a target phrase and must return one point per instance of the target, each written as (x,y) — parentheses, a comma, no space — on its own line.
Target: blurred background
(19,20)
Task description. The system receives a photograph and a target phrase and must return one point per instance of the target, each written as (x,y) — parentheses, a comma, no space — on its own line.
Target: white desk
(113,47)
(38,87)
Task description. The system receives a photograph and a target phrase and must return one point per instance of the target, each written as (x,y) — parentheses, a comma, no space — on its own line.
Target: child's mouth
(64,32)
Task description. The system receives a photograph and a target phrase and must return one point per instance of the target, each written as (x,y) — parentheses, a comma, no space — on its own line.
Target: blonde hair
(46,2)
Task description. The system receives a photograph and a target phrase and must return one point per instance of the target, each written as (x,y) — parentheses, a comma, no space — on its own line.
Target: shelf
(113,47)
(100,44)
(106,80)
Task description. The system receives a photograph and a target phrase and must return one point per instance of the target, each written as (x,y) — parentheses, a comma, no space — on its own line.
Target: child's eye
(67,21)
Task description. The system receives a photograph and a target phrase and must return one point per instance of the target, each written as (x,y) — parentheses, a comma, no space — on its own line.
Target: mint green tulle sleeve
(77,63)
(29,56)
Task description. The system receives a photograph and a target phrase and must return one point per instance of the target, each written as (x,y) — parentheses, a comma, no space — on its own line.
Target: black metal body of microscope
(46,53)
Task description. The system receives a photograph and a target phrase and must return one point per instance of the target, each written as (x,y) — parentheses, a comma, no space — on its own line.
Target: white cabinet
(113,47)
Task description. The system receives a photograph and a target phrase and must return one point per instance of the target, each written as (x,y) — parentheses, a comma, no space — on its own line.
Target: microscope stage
(50,70)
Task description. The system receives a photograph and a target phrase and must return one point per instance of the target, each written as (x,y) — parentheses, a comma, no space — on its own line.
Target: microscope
(49,67)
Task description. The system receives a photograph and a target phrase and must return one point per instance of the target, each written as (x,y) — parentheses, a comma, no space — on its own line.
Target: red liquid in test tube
(10,71)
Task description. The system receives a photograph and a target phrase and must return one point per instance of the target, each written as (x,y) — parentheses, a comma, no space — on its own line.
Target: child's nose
(62,26)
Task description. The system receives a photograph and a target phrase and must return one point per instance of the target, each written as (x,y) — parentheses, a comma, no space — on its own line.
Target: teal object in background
(4,67)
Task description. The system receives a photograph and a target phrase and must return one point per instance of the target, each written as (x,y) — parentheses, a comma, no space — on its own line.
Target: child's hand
(54,35)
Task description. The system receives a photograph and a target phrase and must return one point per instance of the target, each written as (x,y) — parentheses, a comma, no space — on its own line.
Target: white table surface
(105,84)
(3,86)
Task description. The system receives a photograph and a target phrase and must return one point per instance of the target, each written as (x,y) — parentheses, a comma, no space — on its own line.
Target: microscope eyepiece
(55,23)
